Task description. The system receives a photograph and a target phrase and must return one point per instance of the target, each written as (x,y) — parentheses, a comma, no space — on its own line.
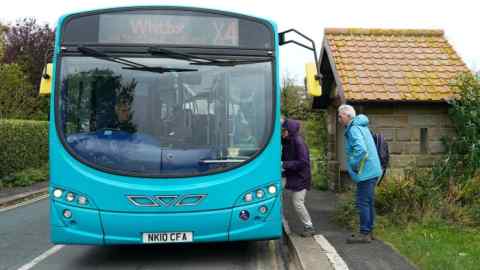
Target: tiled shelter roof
(393,65)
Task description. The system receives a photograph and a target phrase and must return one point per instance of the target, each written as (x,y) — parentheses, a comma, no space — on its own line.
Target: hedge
(23,145)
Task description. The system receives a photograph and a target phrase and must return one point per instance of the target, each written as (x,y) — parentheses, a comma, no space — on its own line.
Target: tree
(3,29)
(462,160)
(294,102)
(15,101)
(29,44)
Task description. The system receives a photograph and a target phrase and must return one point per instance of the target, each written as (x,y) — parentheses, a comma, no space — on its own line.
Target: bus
(165,127)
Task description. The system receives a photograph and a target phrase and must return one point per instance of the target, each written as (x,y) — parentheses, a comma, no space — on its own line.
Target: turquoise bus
(164,127)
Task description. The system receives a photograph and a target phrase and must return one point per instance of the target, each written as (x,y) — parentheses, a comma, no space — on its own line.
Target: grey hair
(347,109)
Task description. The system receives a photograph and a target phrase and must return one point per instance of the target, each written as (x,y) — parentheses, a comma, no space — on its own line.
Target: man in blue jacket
(296,166)
(363,166)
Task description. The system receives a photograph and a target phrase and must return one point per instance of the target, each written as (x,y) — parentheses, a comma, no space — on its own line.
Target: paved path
(374,256)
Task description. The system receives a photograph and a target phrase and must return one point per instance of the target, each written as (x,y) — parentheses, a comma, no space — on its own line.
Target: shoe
(359,239)
(308,231)
(371,236)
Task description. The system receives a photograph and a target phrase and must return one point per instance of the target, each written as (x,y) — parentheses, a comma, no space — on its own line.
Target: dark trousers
(365,204)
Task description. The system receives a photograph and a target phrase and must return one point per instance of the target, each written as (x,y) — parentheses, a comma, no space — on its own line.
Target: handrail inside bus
(212,161)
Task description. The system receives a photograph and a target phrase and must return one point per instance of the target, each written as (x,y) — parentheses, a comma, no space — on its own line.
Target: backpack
(382,150)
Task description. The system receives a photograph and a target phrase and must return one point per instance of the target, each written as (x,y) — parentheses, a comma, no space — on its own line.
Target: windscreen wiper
(130,64)
(203,60)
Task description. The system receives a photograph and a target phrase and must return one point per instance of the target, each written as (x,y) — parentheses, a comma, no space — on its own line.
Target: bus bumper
(82,228)
(93,227)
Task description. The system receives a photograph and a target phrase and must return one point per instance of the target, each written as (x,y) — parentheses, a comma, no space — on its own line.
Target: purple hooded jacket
(295,157)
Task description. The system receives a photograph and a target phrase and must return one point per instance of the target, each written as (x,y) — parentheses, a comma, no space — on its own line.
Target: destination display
(168,29)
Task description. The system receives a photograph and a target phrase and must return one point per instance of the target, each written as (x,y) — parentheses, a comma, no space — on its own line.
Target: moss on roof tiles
(382,32)
(400,62)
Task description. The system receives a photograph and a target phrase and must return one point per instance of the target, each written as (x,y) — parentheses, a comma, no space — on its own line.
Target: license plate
(167,237)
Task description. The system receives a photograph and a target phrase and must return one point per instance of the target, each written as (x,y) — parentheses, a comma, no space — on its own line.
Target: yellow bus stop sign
(313,86)
(46,82)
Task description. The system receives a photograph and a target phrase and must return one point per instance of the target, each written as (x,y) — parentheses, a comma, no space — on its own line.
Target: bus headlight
(82,200)
(248,197)
(57,193)
(260,193)
(70,197)
(272,189)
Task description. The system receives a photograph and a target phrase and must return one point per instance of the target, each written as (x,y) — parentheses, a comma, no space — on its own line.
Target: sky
(459,19)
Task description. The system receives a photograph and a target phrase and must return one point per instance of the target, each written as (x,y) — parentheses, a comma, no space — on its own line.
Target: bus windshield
(164,116)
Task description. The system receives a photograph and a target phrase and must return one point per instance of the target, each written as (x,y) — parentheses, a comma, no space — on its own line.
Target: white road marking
(24,203)
(266,255)
(272,254)
(42,257)
(337,262)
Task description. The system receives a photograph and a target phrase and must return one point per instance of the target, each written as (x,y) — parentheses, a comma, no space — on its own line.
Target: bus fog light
(57,193)
(67,213)
(272,189)
(244,215)
(263,209)
(70,197)
(248,197)
(260,193)
(82,200)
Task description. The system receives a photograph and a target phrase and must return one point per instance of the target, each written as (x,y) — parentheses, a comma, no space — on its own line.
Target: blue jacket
(296,158)
(362,157)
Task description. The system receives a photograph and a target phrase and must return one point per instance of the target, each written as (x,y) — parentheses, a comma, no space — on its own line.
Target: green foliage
(462,160)
(414,199)
(396,197)
(458,173)
(409,199)
(3,29)
(24,145)
(294,104)
(26,177)
(434,244)
(29,44)
(418,196)
(15,99)
(315,133)
(26,46)
(468,197)
(346,211)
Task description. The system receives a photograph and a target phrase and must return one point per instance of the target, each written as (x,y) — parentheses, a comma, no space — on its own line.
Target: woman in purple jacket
(296,166)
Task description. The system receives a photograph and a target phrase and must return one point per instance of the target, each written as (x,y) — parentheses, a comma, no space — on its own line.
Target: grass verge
(434,244)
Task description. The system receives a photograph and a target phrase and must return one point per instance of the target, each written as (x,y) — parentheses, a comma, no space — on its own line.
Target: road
(24,244)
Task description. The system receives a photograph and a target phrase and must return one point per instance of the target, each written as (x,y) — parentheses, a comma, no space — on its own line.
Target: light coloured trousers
(298,200)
